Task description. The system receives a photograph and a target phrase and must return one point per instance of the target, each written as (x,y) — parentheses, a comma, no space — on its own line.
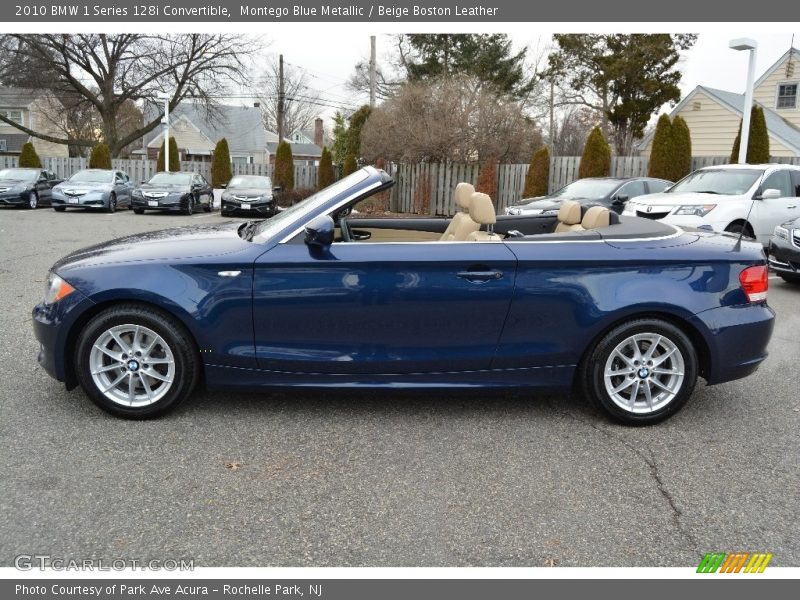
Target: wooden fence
(424,188)
(141,170)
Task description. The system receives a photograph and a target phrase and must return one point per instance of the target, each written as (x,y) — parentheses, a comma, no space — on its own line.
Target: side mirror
(319,232)
(223,185)
(277,188)
(622,199)
(770,194)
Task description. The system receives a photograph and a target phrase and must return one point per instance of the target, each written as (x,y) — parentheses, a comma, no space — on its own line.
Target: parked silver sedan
(104,189)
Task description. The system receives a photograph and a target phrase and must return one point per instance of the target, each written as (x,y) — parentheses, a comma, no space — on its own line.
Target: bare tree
(108,71)
(449,119)
(572,128)
(301,105)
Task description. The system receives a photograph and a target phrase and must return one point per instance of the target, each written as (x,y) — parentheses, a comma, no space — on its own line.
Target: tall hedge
(757,143)
(663,151)
(487,177)
(350,165)
(221,172)
(682,149)
(284,167)
(596,159)
(28,157)
(325,174)
(538,177)
(174,156)
(100,158)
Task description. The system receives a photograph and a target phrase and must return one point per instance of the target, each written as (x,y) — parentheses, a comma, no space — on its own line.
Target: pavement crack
(649,459)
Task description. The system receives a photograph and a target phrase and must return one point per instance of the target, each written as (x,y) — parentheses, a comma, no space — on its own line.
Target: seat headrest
(481,209)
(463,195)
(570,212)
(596,217)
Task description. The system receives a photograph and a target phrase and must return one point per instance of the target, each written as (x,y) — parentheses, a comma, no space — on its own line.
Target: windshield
(92,177)
(727,182)
(270,227)
(20,174)
(251,181)
(587,188)
(171,179)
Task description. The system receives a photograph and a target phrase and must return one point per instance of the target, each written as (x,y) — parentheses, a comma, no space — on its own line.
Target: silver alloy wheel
(33,200)
(644,373)
(132,365)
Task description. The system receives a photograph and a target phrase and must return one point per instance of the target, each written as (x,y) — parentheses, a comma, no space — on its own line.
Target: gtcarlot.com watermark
(44,562)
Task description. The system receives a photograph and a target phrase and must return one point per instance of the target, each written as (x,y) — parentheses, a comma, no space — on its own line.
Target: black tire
(186,360)
(59,208)
(793,279)
(224,213)
(738,228)
(189,206)
(33,201)
(593,370)
(209,206)
(112,204)
(138,211)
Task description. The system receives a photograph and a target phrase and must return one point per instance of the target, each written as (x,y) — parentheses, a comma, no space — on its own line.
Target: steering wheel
(345,229)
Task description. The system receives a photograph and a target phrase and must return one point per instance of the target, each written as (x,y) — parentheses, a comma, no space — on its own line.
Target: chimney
(318,134)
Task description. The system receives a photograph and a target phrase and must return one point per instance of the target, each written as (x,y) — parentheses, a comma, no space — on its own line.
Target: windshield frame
(615,183)
(35,172)
(759,172)
(109,172)
(267,186)
(187,183)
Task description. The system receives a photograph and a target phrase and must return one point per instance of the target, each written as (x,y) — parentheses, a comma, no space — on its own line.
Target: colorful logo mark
(737,562)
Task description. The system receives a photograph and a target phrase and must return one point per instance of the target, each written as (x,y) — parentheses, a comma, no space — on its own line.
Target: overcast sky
(710,62)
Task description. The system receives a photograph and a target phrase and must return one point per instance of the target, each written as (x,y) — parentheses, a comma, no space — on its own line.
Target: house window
(13,115)
(3,145)
(787,95)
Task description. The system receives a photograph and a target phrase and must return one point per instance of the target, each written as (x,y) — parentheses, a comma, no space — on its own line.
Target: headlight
(782,232)
(697,210)
(137,193)
(226,196)
(56,288)
(19,189)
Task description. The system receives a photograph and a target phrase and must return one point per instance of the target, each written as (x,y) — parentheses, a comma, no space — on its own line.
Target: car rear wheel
(136,363)
(112,204)
(33,200)
(641,372)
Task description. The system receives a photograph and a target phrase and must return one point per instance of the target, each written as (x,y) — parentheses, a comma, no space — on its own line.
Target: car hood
(679,199)
(246,191)
(78,185)
(177,244)
(146,187)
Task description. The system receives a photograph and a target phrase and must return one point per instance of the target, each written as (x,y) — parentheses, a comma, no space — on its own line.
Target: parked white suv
(749,198)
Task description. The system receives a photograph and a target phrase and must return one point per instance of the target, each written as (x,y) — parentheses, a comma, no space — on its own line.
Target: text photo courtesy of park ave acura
(302,301)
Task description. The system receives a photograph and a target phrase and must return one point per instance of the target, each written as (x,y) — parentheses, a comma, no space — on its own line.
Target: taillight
(755,282)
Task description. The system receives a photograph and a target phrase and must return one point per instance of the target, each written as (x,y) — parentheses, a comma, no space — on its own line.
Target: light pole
(165,97)
(744,140)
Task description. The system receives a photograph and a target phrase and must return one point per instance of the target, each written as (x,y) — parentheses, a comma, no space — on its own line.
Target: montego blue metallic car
(628,311)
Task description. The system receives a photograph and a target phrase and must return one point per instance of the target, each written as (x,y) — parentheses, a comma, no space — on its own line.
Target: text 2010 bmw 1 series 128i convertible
(627,311)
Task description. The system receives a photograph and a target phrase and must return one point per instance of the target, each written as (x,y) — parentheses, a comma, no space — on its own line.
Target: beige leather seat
(461,225)
(569,217)
(482,212)
(596,217)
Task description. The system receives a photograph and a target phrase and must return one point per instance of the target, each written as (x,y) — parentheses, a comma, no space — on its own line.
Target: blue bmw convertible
(626,311)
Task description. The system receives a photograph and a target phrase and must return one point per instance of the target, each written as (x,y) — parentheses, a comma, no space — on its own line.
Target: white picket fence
(141,170)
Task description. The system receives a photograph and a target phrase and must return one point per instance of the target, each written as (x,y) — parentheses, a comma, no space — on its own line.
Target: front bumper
(90,200)
(737,339)
(166,203)
(784,256)
(14,198)
(263,208)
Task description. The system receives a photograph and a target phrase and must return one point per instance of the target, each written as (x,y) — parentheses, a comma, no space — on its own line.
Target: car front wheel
(33,200)
(112,204)
(641,372)
(136,363)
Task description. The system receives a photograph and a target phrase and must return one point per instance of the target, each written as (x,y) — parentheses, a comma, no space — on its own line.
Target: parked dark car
(249,195)
(27,187)
(182,191)
(104,189)
(784,251)
(630,310)
(612,192)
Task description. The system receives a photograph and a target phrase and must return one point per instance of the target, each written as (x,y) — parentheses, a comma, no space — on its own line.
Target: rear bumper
(737,339)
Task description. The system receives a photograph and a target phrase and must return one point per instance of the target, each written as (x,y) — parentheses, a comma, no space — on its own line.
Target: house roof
(795,55)
(187,135)
(12,97)
(298,149)
(14,141)
(242,126)
(777,126)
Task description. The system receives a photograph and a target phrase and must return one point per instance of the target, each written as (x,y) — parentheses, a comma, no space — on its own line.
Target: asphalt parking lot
(436,479)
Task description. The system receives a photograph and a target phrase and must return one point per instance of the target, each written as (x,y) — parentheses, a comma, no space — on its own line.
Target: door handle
(480,275)
(792,206)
